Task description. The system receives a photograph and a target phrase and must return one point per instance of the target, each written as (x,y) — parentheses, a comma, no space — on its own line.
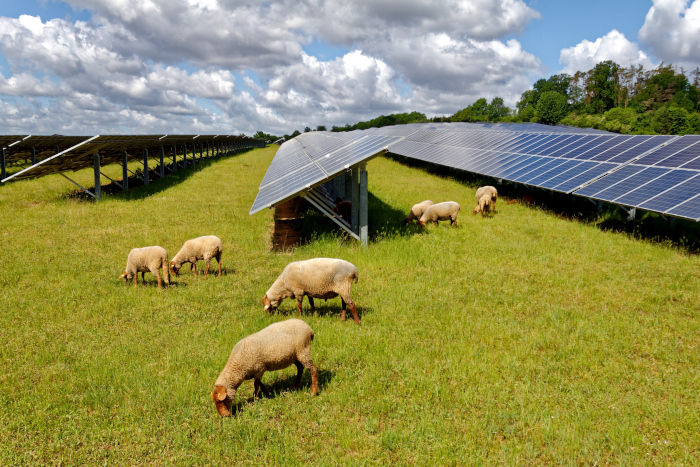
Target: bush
(551,108)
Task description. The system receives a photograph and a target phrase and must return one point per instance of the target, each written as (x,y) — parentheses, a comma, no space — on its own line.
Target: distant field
(523,339)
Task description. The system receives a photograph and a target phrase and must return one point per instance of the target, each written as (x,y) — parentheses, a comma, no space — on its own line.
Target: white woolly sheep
(484,205)
(147,259)
(417,211)
(276,347)
(315,278)
(441,212)
(200,248)
(488,190)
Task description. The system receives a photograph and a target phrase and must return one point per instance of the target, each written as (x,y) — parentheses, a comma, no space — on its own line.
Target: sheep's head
(222,400)
(421,223)
(126,276)
(270,305)
(174,268)
(477,210)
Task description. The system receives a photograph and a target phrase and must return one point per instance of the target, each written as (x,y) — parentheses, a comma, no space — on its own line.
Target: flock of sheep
(285,343)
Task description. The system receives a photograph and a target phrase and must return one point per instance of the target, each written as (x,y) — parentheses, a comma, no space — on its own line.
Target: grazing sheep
(205,248)
(344,210)
(316,278)
(484,205)
(441,212)
(417,211)
(274,348)
(488,190)
(147,259)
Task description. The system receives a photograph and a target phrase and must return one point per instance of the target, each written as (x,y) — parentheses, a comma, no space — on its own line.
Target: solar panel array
(77,152)
(655,173)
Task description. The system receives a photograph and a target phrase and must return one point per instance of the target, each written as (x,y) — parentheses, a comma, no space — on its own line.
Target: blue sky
(91,65)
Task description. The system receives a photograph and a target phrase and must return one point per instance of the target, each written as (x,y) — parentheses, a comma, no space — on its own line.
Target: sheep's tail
(166,269)
(355,276)
(312,335)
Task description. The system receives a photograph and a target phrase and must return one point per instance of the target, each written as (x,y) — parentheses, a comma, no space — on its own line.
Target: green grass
(527,338)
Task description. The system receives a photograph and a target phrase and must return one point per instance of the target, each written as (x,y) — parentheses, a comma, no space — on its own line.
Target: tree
(307,129)
(321,128)
(551,107)
(296,133)
(480,108)
(497,109)
(603,86)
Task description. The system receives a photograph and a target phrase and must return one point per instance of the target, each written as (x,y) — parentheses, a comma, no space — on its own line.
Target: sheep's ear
(219,394)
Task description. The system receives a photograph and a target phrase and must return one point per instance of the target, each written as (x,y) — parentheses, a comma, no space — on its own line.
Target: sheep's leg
(136,279)
(158,276)
(143,277)
(208,263)
(342,304)
(299,306)
(300,371)
(311,303)
(218,260)
(193,267)
(257,385)
(354,312)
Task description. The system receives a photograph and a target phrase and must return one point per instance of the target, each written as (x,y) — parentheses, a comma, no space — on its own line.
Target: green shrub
(551,107)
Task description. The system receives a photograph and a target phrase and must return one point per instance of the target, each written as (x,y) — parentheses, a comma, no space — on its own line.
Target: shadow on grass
(648,226)
(323,308)
(137,190)
(284,385)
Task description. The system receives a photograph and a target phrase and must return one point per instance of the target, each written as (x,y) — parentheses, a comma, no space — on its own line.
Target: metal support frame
(174,158)
(125,171)
(184,156)
(631,212)
(111,180)
(162,162)
(33,156)
(348,185)
(77,184)
(339,186)
(364,201)
(98,182)
(321,205)
(355,216)
(201,146)
(208,150)
(3,165)
(145,166)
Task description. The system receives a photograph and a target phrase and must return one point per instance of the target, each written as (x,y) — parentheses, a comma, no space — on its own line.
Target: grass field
(523,339)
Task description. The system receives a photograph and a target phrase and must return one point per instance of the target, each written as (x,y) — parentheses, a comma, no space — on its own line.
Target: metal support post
(125,171)
(364,201)
(355,200)
(184,155)
(671,222)
(208,150)
(162,162)
(632,214)
(174,158)
(33,156)
(98,182)
(348,186)
(339,186)
(3,165)
(201,148)
(145,166)
(600,206)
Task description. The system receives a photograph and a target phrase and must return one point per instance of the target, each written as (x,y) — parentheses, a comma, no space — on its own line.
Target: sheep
(276,347)
(441,212)
(484,204)
(417,211)
(205,248)
(315,278)
(490,190)
(147,259)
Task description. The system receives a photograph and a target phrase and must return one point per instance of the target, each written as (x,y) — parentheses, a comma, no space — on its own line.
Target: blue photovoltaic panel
(535,169)
(510,172)
(648,144)
(620,148)
(579,175)
(666,151)
(654,187)
(530,177)
(631,183)
(563,152)
(609,180)
(586,151)
(559,145)
(681,193)
(689,209)
(554,172)
(596,153)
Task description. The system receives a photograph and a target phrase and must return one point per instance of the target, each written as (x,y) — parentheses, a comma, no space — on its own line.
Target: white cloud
(672,31)
(612,46)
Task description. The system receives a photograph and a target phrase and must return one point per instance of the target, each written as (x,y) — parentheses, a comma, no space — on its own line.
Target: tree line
(634,100)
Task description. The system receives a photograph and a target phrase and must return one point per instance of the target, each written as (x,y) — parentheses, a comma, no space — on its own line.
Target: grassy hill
(522,339)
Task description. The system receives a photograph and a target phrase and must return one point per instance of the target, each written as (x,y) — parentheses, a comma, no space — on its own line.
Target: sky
(84,67)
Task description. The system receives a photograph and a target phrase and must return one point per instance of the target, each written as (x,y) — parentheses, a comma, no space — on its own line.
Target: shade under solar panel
(631,183)
(673,197)
(609,180)
(654,187)
(667,151)
(579,175)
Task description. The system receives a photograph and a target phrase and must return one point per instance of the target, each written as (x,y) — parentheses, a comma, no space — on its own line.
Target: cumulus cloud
(672,31)
(160,65)
(612,46)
